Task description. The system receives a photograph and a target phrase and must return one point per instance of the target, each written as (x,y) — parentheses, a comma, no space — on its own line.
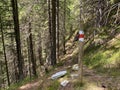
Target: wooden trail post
(80,55)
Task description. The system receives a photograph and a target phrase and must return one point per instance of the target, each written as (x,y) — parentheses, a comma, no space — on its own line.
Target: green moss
(54,86)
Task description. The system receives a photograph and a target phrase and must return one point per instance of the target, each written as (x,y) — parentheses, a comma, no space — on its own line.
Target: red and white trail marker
(81,36)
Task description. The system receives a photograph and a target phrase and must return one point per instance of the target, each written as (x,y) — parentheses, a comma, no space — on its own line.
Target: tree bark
(64,27)
(40,49)
(50,29)
(57,15)
(53,59)
(32,52)
(29,56)
(4,50)
(17,38)
(14,59)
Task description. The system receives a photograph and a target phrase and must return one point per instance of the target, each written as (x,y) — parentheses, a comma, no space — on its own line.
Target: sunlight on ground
(89,86)
(93,87)
(30,86)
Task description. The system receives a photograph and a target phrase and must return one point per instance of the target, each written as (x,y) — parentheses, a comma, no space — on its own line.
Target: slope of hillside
(105,58)
(101,69)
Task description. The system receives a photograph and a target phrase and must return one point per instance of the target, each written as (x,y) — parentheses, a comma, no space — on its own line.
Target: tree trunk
(14,59)
(50,29)
(40,49)
(29,56)
(53,59)
(1,72)
(57,15)
(32,52)
(4,50)
(17,38)
(64,27)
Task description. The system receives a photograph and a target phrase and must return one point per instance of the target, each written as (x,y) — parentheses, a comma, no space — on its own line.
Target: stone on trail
(58,74)
(64,83)
(73,76)
(75,67)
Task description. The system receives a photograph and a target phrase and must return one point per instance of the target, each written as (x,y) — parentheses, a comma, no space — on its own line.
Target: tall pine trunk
(57,15)
(33,61)
(40,49)
(4,50)
(14,59)
(50,28)
(29,56)
(17,38)
(53,59)
(64,27)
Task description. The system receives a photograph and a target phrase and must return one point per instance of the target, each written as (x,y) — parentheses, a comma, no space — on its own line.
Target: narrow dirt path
(94,81)
(102,80)
(31,86)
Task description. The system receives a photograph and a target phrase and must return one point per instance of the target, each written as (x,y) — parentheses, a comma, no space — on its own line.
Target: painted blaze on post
(80,55)
(81,35)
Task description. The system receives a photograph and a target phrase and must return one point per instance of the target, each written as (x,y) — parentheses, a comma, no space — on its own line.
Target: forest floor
(31,86)
(91,78)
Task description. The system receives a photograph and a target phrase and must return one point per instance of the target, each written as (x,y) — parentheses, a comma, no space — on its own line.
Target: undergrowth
(104,59)
(20,83)
(79,86)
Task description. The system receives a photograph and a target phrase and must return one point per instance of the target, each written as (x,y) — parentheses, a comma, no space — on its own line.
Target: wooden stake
(80,45)
(80,63)
(80,55)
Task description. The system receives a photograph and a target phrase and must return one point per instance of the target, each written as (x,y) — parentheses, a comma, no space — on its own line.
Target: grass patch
(94,60)
(17,85)
(101,57)
(54,86)
(79,86)
(110,71)
(104,60)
